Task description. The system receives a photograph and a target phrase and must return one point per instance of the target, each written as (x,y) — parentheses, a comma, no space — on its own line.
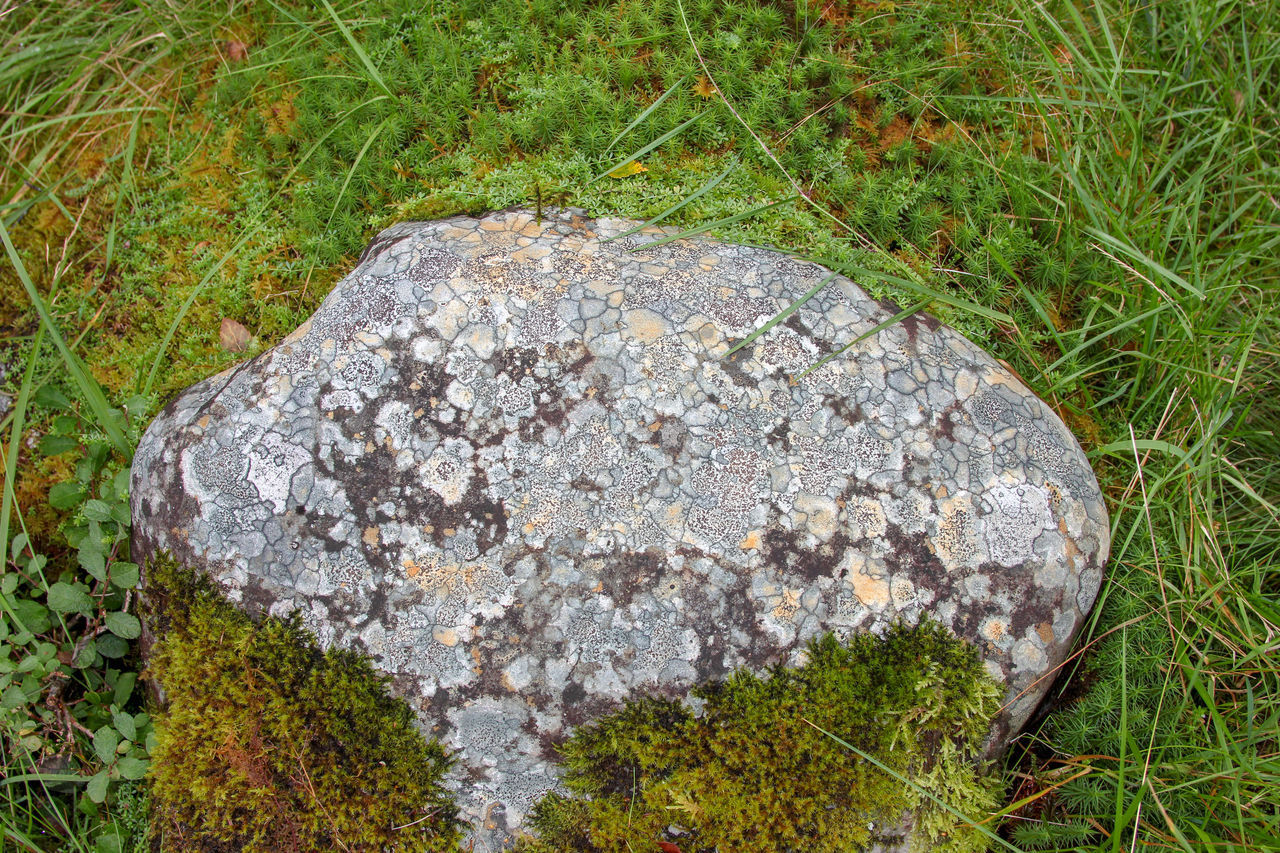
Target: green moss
(752,772)
(269,744)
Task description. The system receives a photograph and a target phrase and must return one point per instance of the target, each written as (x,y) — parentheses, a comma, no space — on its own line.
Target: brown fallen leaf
(668,847)
(237,51)
(234,336)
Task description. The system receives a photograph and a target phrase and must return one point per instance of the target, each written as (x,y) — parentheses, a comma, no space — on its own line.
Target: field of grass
(1089,189)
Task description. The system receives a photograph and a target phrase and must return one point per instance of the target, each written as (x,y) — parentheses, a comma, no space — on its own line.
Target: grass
(1089,189)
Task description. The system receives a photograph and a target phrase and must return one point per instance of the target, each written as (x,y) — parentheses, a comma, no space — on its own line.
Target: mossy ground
(268,155)
(268,744)
(753,770)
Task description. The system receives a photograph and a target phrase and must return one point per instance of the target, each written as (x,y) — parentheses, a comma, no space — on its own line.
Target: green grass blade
(359,51)
(689,199)
(876,329)
(1133,253)
(1122,814)
(14,448)
(636,155)
(922,290)
(728,220)
(44,777)
(933,798)
(1124,449)
(126,183)
(355,165)
(639,120)
(88,386)
(54,122)
(780,316)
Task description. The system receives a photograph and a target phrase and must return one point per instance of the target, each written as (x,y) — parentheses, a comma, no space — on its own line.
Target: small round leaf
(65,598)
(124,625)
(133,768)
(97,789)
(105,741)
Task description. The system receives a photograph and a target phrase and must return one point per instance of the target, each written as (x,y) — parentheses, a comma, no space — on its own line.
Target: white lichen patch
(516,465)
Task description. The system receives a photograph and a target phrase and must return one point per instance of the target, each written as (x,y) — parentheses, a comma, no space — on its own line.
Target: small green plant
(753,770)
(268,744)
(73,727)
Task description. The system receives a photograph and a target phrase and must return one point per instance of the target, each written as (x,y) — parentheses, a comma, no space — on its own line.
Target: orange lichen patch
(752,541)
(645,326)
(1072,550)
(871,590)
(787,607)
(994,629)
(371,536)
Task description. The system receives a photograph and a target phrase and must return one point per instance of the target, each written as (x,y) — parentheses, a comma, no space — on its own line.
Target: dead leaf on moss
(237,51)
(704,87)
(626,170)
(234,336)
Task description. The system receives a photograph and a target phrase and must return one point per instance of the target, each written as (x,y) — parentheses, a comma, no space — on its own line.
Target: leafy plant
(71,719)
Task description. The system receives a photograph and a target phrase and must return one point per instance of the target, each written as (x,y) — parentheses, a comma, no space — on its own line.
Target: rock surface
(507,459)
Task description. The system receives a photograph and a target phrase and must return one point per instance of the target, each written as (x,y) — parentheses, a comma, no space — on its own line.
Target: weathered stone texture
(507,460)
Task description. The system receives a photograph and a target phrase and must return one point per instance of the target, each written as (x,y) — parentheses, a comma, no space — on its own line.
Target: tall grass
(1162,128)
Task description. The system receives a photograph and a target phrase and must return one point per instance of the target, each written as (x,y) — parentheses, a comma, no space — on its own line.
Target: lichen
(754,770)
(266,743)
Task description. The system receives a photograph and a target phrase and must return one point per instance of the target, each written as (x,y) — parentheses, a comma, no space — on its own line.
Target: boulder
(511,459)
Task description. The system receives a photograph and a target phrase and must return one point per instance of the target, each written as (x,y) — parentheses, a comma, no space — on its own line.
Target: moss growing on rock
(750,772)
(269,744)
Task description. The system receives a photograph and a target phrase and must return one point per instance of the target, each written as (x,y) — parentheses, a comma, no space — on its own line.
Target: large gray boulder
(509,460)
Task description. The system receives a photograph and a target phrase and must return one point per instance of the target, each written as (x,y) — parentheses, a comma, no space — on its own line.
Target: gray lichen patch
(510,460)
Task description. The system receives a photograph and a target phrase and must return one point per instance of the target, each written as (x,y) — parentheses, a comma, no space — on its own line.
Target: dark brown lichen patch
(945,422)
(787,551)
(626,574)
(911,552)
(734,367)
(797,325)
(912,323)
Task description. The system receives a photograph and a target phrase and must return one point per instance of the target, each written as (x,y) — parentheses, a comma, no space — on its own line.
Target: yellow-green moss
(268,744)
(752,771)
